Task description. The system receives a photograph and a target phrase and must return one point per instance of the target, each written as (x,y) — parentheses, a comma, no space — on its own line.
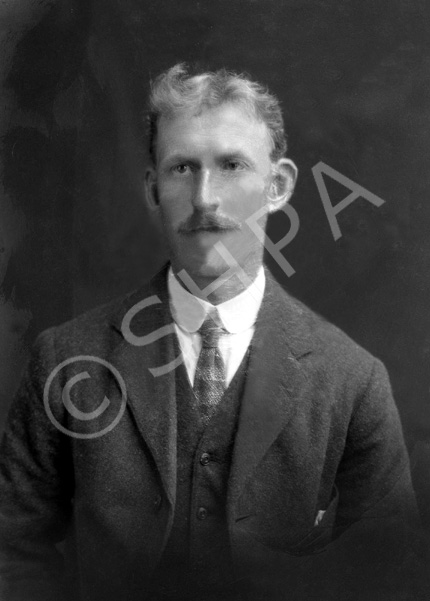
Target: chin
(201,266)
(207,269)
(203,261)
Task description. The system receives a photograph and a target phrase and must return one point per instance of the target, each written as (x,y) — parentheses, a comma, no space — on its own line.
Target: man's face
(213,172)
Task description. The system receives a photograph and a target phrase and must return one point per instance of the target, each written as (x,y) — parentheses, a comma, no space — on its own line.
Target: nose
(205,194)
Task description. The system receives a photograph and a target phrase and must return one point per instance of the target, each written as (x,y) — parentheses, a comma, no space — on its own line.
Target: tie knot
(211,330)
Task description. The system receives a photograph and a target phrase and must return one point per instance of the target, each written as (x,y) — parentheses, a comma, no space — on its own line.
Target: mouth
(212,229)
(209,229)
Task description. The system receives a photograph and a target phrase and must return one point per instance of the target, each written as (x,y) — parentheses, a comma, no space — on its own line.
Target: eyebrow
(227,155)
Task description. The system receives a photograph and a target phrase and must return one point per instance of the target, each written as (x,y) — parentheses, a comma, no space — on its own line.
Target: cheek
(174,203)
(245,198)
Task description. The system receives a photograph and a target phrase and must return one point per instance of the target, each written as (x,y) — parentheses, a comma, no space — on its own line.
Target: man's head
(217,146)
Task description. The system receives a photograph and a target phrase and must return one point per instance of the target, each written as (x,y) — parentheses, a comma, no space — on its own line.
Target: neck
(226,288)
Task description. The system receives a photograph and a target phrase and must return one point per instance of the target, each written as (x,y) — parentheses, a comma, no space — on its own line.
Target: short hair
(176,91)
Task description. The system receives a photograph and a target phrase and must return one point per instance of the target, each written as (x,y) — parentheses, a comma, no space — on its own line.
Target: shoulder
(329,350)
(346,379)
(98,329)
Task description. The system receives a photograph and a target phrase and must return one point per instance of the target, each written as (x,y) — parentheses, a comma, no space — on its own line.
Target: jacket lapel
(151,395)
(274,376)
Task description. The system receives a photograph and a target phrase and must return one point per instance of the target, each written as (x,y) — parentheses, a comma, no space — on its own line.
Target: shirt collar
(237,314)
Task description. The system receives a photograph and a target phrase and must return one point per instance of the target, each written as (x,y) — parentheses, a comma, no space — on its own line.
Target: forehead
(221,129)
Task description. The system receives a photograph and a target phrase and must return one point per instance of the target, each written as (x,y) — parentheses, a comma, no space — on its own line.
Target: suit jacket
(320,502)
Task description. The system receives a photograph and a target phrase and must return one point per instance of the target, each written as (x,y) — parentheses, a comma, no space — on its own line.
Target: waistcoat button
(202,513)
(205,458)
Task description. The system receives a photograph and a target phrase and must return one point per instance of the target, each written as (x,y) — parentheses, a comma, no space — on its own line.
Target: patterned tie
(209,380)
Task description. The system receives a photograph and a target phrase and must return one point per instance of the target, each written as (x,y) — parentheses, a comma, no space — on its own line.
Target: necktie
(209,380)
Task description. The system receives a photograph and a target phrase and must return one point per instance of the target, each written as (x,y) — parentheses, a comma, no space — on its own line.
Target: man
(259,454)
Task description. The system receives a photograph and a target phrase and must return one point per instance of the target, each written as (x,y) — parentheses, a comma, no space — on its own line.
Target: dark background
(354,80)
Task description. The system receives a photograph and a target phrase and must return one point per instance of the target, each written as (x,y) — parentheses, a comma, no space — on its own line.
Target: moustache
(208,222)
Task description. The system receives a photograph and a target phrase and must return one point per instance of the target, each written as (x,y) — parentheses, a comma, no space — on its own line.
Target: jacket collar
(278,308)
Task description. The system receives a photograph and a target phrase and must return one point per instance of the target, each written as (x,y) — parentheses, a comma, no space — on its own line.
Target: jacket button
(202,513)
(158,502)
(205,458)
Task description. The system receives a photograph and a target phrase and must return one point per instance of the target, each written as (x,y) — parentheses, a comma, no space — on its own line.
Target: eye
(181,168)
(233,165)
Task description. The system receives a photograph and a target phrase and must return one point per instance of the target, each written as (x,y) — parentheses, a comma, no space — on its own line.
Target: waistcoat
(196,563)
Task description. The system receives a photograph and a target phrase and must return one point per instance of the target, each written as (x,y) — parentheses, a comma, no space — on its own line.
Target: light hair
(176,91)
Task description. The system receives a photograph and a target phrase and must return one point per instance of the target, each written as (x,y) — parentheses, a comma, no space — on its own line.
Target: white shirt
(237,316)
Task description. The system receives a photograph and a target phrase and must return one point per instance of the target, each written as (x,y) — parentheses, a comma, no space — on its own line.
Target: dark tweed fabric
(318,431)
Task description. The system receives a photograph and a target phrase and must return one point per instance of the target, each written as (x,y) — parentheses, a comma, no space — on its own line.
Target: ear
(283,181)
(151,190)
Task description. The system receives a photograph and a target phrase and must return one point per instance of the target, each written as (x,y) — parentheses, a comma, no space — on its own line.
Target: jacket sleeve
(380,540)
(375,466)
(36,487)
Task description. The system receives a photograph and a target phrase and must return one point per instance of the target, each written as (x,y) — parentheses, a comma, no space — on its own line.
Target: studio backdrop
(354,81)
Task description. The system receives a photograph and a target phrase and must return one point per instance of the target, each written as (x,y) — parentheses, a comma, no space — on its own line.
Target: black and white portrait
(214,292)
